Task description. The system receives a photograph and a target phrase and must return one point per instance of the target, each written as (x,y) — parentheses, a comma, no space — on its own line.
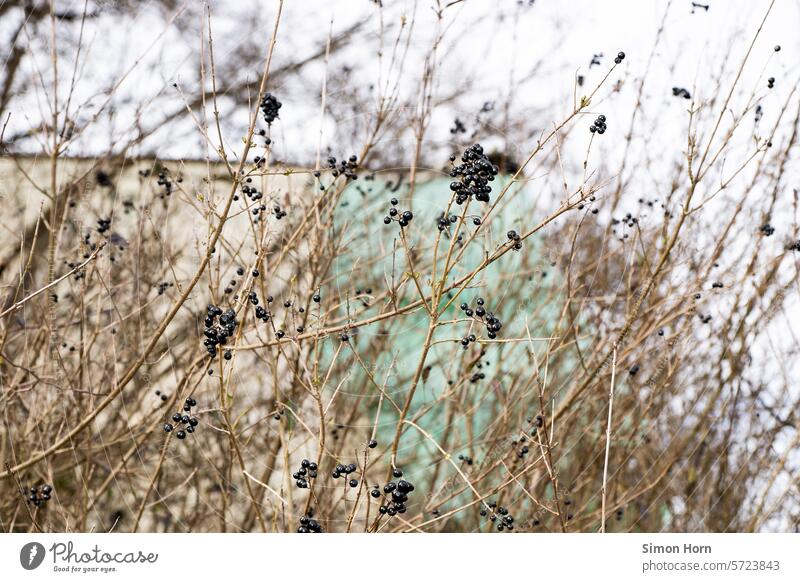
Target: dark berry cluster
(537,422)
(261,313)
(344,470)
(465,459)
(189,422)
(395,494)
(514,237)
(165,180)
(493,324)
(346,168)
(501,513)
(309,525)
(794,246)
(270,107)
(103,179)
(767,229)
(162,287)
(278,211)
(771,83)
(444,222)
(263,133)
(619,58)
(458,127)
(599,126)
(473,175)
(307,470)
(477,376)
(103,224)
(80,273)
(251,192)
(628,220)
(717,285)
(39,495)
(402,218)
(218,332)
(681,92)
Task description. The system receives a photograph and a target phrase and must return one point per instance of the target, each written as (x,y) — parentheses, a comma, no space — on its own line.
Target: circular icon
(31,555)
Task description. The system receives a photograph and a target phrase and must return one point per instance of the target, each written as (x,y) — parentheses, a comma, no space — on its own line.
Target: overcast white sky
(486,43)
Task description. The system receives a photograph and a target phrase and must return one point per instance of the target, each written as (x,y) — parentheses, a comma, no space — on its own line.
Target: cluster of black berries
(704,318)
(39,495)
(346,168)
(717,285)
(465,459)
(458,127)
(537,422)
(493,324)
(514,237)
(103,179)
(309,525)
(103,224)
(218,333)
(474,174)
(263,133)
(261,313)
(794,246)
(681,92)
(363,295)
(445,221)
(250,191)
(771,83)
(767,229)
(395,494)
(476,376)
(163,397)
(79,274)
(599,126)
(165,181)
(344,470)
(278,211)
(501,513)
(402,218)
(307,470)
(189,422)
(162,287)
(619,58)
(630,220)
(270,107)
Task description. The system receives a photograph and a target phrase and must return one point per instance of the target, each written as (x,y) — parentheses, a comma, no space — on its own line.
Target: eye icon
(31,555)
